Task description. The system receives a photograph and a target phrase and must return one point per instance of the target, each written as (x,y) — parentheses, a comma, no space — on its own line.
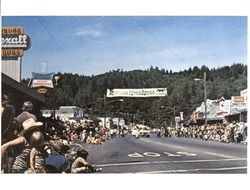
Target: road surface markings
(153,154)
(195,161)
(171,155)
(193,170)
(135,155)
(219,155)
(169,162)
(163,144)
(186,153)
(123,164)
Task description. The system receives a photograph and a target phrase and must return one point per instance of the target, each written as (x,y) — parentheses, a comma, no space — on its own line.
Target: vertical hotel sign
(14,41)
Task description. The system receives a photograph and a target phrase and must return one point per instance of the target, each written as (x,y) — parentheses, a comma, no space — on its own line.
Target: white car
(144,133)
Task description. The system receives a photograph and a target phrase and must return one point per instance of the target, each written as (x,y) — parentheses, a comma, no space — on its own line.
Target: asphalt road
(168,155)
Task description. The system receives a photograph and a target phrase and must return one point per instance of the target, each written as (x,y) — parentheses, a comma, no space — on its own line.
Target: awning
(20,91)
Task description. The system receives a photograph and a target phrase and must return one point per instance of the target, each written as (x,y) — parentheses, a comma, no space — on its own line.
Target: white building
(112,121)
(221,109)
(65,112)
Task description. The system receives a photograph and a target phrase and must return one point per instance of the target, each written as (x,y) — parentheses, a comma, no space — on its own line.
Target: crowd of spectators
(35,144)
(235,132)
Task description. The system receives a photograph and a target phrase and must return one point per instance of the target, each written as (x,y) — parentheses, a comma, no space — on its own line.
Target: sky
(92,45)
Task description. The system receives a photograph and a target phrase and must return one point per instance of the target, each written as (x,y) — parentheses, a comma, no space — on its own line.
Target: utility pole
(205,96)
(205,93)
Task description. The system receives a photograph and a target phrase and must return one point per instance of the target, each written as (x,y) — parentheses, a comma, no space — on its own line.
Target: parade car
(144,132)
(141,131)
(134,131)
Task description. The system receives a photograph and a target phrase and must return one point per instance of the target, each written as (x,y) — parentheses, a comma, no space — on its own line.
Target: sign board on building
(14,41)
(238,99)
(177,119)
(225,106)
(141,92)
(12,30)
(12,53)
(41,90)
(42,80)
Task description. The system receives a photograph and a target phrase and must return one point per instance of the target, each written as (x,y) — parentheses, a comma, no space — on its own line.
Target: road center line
(175,146)
(163,144)
(193,170)
(123,164)
(219,155)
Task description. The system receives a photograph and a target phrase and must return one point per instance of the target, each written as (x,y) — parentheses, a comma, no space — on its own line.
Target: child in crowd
(80,165)
(37,154)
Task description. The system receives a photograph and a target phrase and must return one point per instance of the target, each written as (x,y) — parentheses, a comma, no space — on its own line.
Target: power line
(155,38)
(52,37)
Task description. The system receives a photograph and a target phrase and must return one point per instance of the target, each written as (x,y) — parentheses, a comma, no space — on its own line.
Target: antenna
(44,67)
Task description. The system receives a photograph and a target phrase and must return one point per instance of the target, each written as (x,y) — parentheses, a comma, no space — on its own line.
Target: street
(167,155)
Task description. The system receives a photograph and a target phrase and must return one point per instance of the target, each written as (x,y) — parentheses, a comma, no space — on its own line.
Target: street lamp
(205,94)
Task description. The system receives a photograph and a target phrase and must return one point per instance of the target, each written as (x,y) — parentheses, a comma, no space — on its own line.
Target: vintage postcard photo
(124,94)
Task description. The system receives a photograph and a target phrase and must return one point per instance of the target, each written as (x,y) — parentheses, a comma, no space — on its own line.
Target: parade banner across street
(141,92)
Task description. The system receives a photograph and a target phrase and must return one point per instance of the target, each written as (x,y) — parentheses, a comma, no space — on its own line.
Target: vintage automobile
(144,132)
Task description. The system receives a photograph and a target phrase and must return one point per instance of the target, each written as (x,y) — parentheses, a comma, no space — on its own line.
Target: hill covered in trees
(184,93)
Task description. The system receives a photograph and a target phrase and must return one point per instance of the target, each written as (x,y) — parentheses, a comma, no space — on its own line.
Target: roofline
(20,87)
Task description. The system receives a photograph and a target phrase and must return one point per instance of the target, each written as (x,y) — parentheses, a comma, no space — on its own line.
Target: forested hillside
(184,93)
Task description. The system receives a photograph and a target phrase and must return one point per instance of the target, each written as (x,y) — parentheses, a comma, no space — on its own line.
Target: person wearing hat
(22,146)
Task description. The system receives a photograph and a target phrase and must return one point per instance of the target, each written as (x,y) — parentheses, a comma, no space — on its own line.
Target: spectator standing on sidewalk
(158,135)
(232,127)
